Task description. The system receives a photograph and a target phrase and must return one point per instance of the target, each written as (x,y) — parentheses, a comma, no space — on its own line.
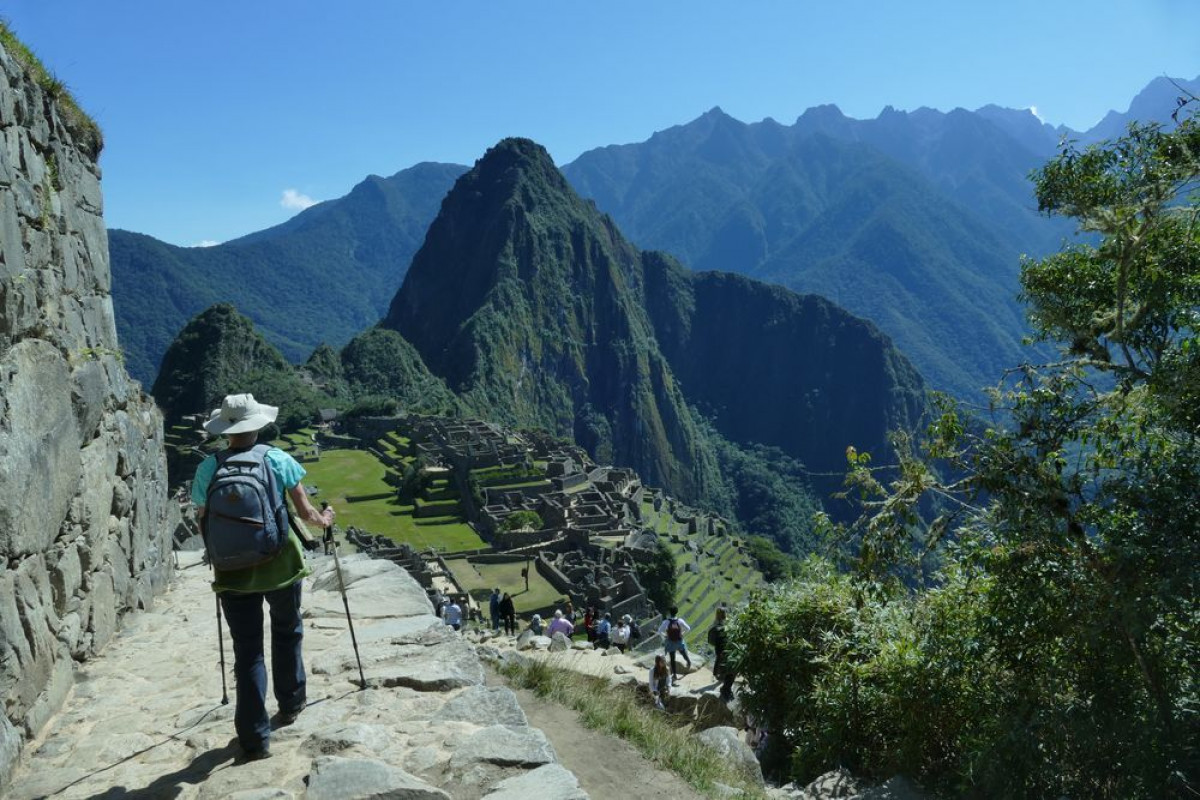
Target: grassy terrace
(699,593)
(480,579)
(340,474)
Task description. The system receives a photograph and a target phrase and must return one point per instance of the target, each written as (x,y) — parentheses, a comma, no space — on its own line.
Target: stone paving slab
(145,720)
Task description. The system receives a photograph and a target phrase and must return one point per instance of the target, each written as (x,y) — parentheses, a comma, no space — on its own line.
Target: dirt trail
(608,768)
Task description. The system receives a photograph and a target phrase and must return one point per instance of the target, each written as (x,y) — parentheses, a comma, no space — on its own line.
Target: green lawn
(355,473)
(480,579)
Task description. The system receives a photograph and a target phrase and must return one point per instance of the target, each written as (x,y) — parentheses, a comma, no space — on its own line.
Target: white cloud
(295,200)
(206,243)
(1033,110)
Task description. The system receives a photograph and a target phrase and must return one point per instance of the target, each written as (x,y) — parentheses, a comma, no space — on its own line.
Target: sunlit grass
(619,711)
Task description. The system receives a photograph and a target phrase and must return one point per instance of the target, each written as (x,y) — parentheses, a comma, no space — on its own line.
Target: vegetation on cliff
(322,276)
(81,125)
(1054,653)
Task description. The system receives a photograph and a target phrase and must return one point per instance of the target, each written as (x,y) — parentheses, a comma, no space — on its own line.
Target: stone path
(145,720)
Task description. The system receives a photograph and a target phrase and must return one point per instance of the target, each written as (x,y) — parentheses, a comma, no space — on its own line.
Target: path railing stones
(145,720)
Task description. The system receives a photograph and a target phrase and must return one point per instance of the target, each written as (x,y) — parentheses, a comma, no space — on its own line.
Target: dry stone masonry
(85,521)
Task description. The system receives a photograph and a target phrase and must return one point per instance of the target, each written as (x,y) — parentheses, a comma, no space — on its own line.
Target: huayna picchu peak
(536,311)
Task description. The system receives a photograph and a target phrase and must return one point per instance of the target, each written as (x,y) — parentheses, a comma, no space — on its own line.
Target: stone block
(549,782)
(103,621)
(504,746)
(66,576)
(50,700)
(484,705)
(336,778)
(728,742)
(10,751)
(39,447)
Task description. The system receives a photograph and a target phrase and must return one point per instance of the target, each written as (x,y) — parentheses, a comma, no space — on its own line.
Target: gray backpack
(245,517)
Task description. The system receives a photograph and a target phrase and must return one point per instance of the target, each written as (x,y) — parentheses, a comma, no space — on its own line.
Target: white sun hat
(240,413)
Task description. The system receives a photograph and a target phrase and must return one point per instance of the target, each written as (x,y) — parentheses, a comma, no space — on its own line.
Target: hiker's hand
(310,544)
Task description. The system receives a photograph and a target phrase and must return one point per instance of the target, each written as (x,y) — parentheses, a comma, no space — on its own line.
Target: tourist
(660,683)
(277,581)
(620,634)
(635,632)
(452,614)
(721,671)
(560,625)
(672,630)
(508,614)
(494,608)
(589,623)
(603,630)
(535,625)
(569,612)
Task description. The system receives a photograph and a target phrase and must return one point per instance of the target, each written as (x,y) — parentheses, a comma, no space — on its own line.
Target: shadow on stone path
(145,721)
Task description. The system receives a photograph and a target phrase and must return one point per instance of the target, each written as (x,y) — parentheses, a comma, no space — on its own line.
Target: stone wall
(85,521)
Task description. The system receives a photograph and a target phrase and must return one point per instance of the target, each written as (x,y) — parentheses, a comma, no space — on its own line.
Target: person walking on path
(452,614)
(620,634)
(717,637)
(603,632)
(494,608)
(672,630)
(589,624)
(277,581)
(660,682)
(559,625)
(509,614)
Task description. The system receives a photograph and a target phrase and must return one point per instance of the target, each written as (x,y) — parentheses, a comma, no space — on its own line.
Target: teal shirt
(287,567)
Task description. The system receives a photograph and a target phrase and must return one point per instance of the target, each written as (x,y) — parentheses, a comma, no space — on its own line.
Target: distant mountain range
(526,305)
(914,220)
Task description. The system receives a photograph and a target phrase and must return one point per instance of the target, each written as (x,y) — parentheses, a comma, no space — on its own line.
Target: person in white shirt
(672,630)
(620,635)
(452,615)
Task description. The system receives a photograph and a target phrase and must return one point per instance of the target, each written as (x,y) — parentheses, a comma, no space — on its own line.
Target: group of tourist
(603,633)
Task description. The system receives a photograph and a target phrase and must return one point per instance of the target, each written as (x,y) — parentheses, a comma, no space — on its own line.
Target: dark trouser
(244,614)
(681,648)
(510,624)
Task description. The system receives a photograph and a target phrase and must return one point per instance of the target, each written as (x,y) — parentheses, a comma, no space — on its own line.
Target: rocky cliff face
(85,521)
(527,301)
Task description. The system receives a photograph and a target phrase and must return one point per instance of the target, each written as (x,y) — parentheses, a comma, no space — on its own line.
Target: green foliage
(771,498)
(774,564)
(374,405)
(658,577)
(379,362)
(219,352)
(1054,652)
(522,520)
(619,711)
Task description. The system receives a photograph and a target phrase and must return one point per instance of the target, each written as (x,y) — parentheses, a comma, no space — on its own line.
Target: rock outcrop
(85,521)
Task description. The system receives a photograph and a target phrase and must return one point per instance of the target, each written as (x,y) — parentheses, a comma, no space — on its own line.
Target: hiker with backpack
(672,630)
(508,615)
(239,495)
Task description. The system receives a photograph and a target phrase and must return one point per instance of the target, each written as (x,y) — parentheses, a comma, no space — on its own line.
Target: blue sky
(223,118)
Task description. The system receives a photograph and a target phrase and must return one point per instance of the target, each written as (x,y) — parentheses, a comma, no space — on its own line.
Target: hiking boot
(288,717)
(257,754)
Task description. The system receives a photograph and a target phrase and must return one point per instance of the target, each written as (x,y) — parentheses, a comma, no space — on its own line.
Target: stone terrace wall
(85,522)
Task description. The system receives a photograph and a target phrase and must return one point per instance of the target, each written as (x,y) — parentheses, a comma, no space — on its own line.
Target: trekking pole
(337,565)
(221,643)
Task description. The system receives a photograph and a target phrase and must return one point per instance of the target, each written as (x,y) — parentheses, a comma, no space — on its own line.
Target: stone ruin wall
(85,521)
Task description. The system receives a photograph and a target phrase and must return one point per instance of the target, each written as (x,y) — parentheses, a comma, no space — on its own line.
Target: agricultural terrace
(357,484)
(723,574)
